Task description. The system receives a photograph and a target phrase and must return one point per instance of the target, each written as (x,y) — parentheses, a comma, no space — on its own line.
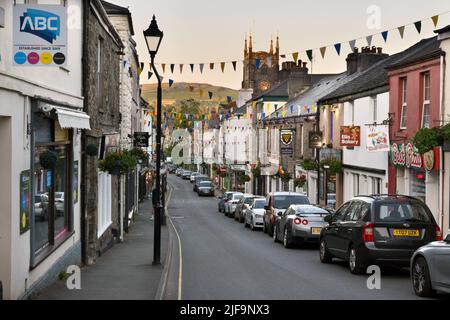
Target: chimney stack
(357,62)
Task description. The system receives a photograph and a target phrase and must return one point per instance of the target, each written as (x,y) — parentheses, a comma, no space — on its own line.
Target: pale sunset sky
(204,31)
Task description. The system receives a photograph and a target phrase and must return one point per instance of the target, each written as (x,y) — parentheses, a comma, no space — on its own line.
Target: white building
(40,114)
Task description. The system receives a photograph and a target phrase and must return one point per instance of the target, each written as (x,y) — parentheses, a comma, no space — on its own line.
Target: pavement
(223,260)
(124,272)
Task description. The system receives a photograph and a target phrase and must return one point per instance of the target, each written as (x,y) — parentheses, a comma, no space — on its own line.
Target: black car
(197,181)
(377,229)
(205,188)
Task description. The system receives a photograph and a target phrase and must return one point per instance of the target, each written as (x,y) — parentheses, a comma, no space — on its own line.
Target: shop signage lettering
(287,138)
(350,136)
(406,156)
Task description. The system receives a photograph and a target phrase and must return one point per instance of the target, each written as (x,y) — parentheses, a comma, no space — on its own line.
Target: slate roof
(112,8)
(280,90)
(376,76)
(442,30)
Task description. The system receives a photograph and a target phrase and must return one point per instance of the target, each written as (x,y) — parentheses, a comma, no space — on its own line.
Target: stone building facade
(100,191)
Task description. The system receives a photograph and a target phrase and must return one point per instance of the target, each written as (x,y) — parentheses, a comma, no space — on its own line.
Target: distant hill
(182,91)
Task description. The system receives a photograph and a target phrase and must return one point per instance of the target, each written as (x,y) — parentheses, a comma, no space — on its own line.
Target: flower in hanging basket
(309,164)
(48,159)
(300,182)
(118,163)
(92,149)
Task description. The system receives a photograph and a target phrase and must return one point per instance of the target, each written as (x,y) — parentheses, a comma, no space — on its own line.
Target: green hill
(185,91)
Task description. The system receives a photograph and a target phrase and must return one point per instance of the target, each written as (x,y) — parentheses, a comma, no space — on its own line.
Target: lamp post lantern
(153,37)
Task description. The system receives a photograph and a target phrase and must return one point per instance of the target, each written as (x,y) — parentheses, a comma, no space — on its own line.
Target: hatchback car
(241,205)
(430,268)
(377,229)
(205,188)
(193,175)
(278,202)
(222,199)
(254,214)
(300,224)
(232,201)
(186,175)
(197,180)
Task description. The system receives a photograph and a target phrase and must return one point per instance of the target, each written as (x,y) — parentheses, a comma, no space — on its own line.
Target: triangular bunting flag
(283,56)
(234,65)
(161,78)
(418,26)
(309,53)
(352,44)
(322,51)
(201,67)
(401,30)
(257,63)
(229,99)
(369,40)
(192,67)
(435,20)
(210,94)
(295,56)
(150,75)
(163,65)
(337,46)
(211,66)
(384,34)
(222,66)
(181,68)
(172,66)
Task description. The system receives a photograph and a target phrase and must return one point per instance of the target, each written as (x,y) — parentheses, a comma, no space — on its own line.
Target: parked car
(331,200)
(254,214)
(179,171)
(243,203)
(230,204)
(377,229)
(199,179)
(60,203)
(300,224)
(278,202)
(205,188)
(41,206)
(193,175)
(186,175)
(430,268)
(222,200)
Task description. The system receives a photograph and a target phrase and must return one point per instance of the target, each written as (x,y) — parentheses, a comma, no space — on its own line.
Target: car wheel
(274,233)
(420,276)
(354,261)
(287,241)
(325,256)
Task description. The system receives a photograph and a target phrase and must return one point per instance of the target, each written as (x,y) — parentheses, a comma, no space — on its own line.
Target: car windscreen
(283,202)
(248,200)
(310,211)
(205,184)
(402,211)
(237,197)
(259,204)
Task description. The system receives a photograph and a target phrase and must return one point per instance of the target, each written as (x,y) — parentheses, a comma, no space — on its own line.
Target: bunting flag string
(310,52)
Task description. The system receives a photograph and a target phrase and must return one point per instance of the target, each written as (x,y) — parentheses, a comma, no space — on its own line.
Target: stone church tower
(266,76)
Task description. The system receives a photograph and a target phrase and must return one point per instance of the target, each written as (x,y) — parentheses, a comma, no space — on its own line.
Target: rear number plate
(316,230)
(406,233)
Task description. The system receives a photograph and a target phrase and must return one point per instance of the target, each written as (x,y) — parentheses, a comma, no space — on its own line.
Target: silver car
(299,223)
(230,205)
(430,268)
(254,214)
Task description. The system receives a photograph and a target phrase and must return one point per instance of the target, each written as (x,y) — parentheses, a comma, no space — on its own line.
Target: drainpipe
(441,152)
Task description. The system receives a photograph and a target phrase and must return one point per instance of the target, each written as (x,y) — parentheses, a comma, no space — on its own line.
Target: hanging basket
(92,150)
(118,163)
(48,159)
(300,182)
(309,164)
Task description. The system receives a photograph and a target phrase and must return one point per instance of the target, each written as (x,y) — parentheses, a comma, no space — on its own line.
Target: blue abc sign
(43,24)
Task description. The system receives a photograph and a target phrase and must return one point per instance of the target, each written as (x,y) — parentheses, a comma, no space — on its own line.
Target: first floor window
(104,203)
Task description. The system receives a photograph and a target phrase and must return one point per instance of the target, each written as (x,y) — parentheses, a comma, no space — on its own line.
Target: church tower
(261,67)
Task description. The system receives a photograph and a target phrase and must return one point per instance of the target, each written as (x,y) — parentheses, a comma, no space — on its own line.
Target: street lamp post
(153,37)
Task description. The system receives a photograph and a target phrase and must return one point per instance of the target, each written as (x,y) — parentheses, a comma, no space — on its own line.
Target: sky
(204,31)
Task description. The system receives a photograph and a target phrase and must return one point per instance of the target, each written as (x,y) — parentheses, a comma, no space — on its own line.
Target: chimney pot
(355,50)
(300,63)
(304,64)
(380,50)
(374,49)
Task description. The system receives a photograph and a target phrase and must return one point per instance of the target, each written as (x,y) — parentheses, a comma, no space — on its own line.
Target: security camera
(46,108)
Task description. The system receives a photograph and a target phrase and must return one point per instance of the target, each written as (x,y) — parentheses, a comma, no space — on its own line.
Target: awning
(68,118)
(72,119)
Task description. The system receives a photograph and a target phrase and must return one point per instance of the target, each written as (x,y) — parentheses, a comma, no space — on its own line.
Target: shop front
(416,175)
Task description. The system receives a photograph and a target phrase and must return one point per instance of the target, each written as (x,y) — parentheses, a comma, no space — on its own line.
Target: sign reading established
(350,136)
(39,35)
(287,138)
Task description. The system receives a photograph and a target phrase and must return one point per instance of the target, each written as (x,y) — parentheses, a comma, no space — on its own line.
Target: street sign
(141,139)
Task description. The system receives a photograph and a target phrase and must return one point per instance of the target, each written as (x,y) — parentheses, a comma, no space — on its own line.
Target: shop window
(52,213)
(104,203)
(404,106)
(417,185)
(426,101)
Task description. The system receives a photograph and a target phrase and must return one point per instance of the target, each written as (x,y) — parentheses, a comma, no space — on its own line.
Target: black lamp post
(153,37)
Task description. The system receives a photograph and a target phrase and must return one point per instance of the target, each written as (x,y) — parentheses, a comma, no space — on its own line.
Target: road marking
(180,251)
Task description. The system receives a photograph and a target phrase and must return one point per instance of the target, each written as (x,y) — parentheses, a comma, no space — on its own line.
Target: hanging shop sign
(109,143)
(141,139)
(39,35)
(350,136)
(406,155)
(25,187)
(377,139)
(315,140)
(287,139)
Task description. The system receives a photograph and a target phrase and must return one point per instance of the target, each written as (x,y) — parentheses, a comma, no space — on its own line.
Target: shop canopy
(69,118)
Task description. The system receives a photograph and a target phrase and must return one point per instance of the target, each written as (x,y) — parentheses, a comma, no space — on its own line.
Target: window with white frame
(104,203)
(426,101)
(355,184)
(404,106)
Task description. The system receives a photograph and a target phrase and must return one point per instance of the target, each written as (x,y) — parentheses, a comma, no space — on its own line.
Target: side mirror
(328,218)
(447,238)
(266,208)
